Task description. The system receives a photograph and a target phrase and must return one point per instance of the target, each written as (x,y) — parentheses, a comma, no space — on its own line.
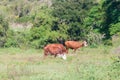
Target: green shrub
(23,19)
(115,28)
(40,36)
(94,38)
(10,40)
(3,30)
(108,42)
(17,39)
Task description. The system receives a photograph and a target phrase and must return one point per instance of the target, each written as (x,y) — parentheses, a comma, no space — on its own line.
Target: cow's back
(73,44)
(54,49)
(60,46)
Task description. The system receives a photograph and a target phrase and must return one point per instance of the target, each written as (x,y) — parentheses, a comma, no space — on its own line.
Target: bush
(40,36)
(23,19)
(94,38)
(10,40)
(108,42)
(115,28)
(3,29)
(17,39)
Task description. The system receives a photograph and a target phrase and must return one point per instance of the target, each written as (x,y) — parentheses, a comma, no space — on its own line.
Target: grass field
(86,64)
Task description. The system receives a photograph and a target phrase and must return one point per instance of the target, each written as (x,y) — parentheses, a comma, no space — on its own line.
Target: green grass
(86,64)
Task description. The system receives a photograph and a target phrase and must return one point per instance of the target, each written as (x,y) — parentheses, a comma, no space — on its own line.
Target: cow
(75,45)
(56,50)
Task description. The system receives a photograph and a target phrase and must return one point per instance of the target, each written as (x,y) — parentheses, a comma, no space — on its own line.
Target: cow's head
(85,43)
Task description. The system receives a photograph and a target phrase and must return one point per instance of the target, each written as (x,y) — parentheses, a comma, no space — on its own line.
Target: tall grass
(86,64)
(100,63)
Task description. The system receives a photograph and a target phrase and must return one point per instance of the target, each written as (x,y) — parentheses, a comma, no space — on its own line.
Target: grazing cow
(75,44)
(55,49)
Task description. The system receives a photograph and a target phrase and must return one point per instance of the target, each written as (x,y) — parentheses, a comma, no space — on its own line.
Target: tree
(94,22)
(71,13)
(41,32)
(112,13)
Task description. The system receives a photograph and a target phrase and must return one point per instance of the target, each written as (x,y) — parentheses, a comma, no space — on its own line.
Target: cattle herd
(61,50)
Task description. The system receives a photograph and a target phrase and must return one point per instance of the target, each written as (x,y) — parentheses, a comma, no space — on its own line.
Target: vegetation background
(35,23)
(26,26)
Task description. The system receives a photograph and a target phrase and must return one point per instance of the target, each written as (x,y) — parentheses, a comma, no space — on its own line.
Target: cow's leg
(67,49)
(59,53)
(74,51)
(45,54)
(55,55)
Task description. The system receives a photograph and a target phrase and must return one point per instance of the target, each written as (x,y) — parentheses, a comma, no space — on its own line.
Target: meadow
(28,25)
(100,63)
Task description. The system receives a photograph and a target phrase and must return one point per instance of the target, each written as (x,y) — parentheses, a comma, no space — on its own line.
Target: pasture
(86,64)
(26,26)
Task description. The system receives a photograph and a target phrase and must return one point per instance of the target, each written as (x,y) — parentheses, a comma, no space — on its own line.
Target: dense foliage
(52,20)
(112,17)
(72,14)
(3,31)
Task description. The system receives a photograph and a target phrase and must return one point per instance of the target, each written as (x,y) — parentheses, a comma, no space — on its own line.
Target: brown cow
(75,44)
(55,49)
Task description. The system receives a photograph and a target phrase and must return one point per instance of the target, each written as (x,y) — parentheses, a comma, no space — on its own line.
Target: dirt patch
(117,50)
(20,26)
